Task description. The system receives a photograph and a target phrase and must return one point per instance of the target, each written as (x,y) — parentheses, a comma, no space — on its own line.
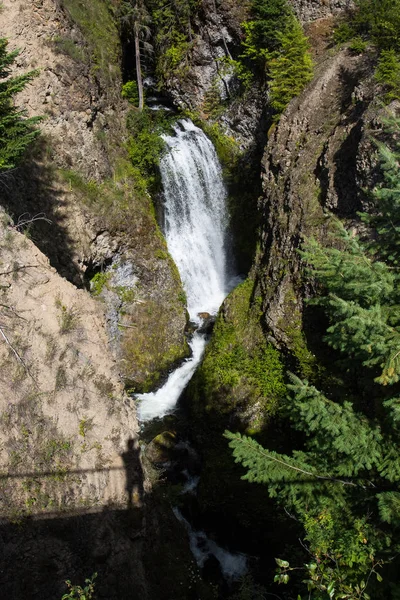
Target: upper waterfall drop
(196,228)
(195,217)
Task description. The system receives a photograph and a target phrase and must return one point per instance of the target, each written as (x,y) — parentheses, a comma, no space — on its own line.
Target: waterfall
(196,231)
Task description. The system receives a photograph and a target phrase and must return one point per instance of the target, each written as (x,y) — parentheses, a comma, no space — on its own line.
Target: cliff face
(317,158)
(79,177)
(310,10)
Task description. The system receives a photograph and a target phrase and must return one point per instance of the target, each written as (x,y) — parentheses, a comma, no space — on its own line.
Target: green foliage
(384,217)
(358,45)
(173,40)
(77,592)
(98,282)
(130,92)
(226,147)
(376,21)
(145,147)
(290,68)
(379,20)
(17,131)
(242,72)
(269,18)
(343,33)
(388,74)
(328,484)
(360,299)
(240,368)
(275,41)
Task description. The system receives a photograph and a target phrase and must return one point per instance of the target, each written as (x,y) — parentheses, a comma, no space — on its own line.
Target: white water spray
(196,231)
(233,566)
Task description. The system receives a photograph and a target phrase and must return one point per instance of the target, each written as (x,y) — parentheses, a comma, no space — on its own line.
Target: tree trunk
(138,68)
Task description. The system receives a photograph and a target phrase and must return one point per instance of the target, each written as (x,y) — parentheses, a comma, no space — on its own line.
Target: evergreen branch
(254,448)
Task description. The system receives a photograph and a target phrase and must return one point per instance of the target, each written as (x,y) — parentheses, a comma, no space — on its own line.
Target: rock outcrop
(310,10)
(316,160)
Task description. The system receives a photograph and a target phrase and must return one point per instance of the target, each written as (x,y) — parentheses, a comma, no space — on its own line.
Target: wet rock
(207,325)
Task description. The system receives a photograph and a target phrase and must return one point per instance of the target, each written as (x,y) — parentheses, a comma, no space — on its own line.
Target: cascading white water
(196,231)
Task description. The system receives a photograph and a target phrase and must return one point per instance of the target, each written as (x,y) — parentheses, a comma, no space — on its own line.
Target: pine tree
(333,485)
(388,74)
(380,20)
(17,131)
(290,67)
(385,217)
(268,19)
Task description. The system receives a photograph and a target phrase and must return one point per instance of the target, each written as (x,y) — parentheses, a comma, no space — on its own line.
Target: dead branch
(127,326)
(25,219)
(17,355)
(13,311)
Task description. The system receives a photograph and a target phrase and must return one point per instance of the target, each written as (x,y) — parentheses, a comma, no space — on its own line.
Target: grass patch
(65,45)
(96,21)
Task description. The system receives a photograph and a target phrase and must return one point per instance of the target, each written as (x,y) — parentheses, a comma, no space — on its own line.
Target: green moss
(292,326)
(161,254)
(98,282)
(147,349)
(241,370)
(226,147)
(96,22)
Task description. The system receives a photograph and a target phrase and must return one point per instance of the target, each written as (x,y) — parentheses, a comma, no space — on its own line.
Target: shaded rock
(207,325)
(311,164)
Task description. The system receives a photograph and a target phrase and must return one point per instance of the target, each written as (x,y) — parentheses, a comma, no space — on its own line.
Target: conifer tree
(17,131)
(341,482)
(268,19)
(385,216)
(276,42)
(291,67)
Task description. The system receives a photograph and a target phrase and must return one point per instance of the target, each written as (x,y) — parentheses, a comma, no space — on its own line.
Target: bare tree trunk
(138,67)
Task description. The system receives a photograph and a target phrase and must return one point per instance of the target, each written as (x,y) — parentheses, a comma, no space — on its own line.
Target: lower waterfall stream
(197,235)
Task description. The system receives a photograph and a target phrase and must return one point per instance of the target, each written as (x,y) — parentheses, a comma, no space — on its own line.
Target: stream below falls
(196,228)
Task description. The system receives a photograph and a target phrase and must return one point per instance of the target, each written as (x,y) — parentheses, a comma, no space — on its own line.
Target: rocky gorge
(93,307)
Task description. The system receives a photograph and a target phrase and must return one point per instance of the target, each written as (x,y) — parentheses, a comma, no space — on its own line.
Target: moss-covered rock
(242,374)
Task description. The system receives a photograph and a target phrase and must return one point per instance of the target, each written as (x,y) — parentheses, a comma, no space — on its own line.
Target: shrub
(290,68)
(388,74)
(130,92)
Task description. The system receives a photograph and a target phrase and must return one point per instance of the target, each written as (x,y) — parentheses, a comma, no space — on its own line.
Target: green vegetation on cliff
(96,21)
(241,372)
(173,35)
(275,42)
(376,22)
